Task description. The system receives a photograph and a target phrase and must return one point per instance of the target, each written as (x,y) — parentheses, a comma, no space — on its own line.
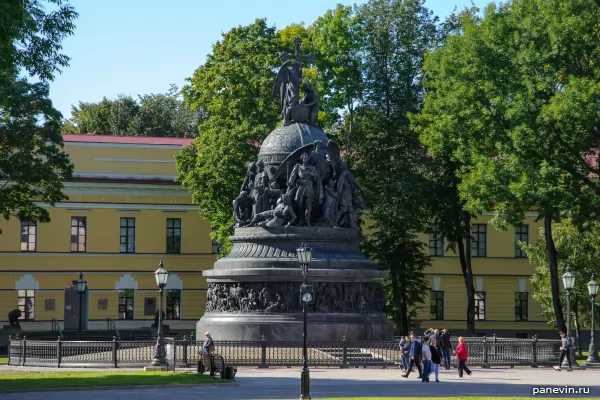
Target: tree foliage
(514,95)
(233,87)
(162,115)
(389,161)
(578,248)
(32,163)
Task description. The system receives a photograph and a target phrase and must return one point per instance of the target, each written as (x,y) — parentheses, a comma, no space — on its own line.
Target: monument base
(289,327)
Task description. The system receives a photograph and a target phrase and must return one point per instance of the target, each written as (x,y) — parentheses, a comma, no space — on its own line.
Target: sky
(137,47)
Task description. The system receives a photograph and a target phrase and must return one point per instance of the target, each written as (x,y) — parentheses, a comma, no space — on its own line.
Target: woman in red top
(462,354)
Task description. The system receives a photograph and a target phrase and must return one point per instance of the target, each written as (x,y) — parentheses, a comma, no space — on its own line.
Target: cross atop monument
(296,56)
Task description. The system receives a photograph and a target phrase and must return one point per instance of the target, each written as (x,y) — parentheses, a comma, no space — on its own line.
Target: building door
(71,309)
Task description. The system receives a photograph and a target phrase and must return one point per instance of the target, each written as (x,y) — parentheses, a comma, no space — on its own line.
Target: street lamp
(161,275)
(592,352)
(304,254)
(81,286)
(569,283)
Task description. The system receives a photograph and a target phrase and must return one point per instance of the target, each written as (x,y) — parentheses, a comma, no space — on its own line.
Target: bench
(205,364)
(217,365)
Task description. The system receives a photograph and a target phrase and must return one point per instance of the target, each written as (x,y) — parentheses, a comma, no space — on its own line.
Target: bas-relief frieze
(284,297)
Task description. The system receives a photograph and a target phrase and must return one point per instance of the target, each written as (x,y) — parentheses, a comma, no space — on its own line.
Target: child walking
(426,352)
(462,354)
(436,358)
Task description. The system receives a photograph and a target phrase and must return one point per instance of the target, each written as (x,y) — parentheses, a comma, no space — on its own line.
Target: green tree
(151,115)
(578,248)
(515,93)
(450,217)
(389,161)
(336,38)
(164,115)
(32,163)
(233,87)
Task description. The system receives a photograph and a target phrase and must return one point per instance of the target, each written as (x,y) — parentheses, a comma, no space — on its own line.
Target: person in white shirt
(426,353)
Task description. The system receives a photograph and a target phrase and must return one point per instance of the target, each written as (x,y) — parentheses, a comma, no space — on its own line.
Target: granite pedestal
(254,291)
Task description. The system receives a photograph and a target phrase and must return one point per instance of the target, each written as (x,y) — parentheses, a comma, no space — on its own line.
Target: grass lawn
(3,360)
(582,357)
(46,380)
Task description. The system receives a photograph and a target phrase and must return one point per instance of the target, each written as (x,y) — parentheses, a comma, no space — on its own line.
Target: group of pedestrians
(428,353)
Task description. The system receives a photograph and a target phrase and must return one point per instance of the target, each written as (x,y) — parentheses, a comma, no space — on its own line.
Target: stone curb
(128,387)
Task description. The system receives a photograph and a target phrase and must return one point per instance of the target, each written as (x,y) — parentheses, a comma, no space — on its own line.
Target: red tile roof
(91,138)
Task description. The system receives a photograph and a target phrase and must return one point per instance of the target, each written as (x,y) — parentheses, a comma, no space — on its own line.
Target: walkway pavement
(351,383)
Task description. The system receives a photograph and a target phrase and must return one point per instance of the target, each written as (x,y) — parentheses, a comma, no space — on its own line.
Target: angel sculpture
(287,87)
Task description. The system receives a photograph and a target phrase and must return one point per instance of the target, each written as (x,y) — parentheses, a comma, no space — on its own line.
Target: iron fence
(186,352)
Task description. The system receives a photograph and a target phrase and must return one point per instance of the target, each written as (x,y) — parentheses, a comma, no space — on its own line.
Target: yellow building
(124,214)
(504,303)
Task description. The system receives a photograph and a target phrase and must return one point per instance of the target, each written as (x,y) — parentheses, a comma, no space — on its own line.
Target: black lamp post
(81,286)
(161,275)
(592,352)
(304,254)
(569,283)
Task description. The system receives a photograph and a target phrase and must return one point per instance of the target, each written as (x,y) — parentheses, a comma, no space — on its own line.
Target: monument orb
(298,190)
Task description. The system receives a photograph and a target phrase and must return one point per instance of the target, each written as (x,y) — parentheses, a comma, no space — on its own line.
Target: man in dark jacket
(565,350)
(446,347)
(415,356)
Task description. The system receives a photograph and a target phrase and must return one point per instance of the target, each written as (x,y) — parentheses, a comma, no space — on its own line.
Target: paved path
(331,383)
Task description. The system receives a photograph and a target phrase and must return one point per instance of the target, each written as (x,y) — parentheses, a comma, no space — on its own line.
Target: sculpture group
(320,191)
(281,297)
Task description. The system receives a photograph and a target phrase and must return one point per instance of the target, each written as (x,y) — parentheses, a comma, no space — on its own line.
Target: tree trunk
(400,316)
(554,279)
(464,254)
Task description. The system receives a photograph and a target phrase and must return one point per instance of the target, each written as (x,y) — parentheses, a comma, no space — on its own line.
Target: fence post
(115,349)
(174,353)
(344,353)
(185,351)
(24,349)
(263,353)
(535,358)
(58,352)
(485,353)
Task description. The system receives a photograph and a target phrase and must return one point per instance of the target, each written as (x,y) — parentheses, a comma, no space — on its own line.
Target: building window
(478,244)
(436,242)
(521,306)
(28,236)
(78,234)
(436,306)
(480,306)
(127,235)
(27,304)
(521,235)
(173,236)
(215,247)
(173,304)
(126,304)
